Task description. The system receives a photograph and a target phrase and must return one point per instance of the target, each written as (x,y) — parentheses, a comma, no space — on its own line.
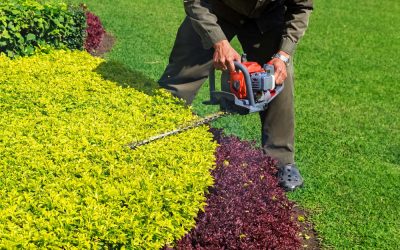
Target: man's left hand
(280,68)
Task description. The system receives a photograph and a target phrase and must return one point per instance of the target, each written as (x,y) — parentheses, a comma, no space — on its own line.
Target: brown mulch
(308,236)
(106,44)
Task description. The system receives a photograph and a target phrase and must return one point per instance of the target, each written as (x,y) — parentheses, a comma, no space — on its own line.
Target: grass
(347,102)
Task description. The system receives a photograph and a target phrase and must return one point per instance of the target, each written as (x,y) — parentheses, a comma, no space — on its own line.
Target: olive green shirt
(294,15)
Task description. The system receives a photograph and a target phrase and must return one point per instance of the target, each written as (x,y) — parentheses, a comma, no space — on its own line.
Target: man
(268,30)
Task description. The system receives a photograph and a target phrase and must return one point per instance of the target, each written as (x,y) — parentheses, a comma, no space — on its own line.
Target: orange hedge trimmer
(248,89)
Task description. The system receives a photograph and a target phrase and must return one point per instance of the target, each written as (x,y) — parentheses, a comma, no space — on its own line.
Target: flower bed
(246,208)
(68,178)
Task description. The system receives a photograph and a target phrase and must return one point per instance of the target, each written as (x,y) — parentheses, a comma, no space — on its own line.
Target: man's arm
(296,23)
(205,24)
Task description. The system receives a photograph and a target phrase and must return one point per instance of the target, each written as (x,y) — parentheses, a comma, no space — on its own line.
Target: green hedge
(68,179)
(27,24)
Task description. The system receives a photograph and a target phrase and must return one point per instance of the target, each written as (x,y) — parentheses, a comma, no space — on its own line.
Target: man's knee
(185,91)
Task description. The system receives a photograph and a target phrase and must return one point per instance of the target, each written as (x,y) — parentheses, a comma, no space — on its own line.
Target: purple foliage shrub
(246,208)
(94,30)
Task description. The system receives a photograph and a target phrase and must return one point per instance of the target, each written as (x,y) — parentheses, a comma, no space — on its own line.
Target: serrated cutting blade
(194,124)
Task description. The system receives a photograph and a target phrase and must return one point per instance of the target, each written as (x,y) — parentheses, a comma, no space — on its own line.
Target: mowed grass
(347,107)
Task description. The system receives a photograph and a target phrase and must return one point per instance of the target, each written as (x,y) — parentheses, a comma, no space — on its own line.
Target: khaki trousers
(190,64)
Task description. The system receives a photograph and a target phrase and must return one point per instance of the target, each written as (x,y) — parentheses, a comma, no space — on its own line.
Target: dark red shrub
(246,209)
(94,30)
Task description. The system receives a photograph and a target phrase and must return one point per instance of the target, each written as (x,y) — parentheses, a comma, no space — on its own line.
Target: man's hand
(280,68)
(224,56)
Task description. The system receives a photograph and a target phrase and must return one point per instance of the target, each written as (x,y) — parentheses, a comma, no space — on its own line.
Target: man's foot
(289,177)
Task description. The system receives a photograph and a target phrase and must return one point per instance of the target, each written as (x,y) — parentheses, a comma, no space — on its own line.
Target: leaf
(301,218)
(10,53)
(5,34)
(30,37)
(29,50)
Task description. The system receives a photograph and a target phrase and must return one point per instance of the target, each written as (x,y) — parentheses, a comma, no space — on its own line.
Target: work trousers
(190,64)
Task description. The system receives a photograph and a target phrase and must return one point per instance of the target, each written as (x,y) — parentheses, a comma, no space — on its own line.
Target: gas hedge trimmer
(247,90)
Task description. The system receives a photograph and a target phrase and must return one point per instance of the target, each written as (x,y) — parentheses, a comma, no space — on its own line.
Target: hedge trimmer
(248,89)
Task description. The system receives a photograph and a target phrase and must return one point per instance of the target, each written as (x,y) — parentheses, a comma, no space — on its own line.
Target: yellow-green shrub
(67,178)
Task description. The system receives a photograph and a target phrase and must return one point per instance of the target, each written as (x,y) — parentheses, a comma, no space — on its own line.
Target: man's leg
(189,64)
(278,123)
(278,120)
(277,131)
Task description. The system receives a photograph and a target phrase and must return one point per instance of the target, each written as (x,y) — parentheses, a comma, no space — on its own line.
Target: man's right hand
(224,56)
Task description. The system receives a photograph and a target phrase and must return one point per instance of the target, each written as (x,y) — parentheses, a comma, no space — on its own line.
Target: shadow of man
(117,72)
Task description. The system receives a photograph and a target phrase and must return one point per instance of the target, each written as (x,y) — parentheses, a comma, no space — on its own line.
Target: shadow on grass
(120,74)
(395,154)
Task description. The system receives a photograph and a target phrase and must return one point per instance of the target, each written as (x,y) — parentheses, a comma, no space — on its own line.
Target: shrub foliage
(246,208)
(27,24)
(67,178)
(95,32)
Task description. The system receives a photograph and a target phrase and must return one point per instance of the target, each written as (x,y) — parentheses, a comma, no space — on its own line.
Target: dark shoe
(289,177)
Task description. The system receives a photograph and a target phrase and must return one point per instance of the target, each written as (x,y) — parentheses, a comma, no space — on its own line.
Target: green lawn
(347,107)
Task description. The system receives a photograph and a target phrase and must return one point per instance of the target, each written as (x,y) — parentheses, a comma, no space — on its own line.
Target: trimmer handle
(246,74)
(238,66)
